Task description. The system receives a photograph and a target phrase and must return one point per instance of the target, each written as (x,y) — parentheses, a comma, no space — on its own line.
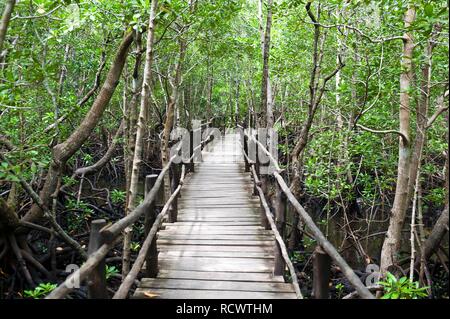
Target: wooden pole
(191,151)
(255,190)
(151,259)
(159,200)
(280,216)
(280,209)
(264,166)
(97,278)
(175,180)
(321,273)
(279,263)
(247,165)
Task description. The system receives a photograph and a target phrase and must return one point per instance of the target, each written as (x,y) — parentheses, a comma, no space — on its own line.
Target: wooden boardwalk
(217,248)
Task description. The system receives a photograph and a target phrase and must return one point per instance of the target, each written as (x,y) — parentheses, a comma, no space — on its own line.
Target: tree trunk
(391,245)
(266,90)
(441,227)
(168,125)
(422,112)
(6,17)
(137,158)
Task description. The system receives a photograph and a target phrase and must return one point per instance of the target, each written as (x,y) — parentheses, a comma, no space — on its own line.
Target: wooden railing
(323,252)
(104,237)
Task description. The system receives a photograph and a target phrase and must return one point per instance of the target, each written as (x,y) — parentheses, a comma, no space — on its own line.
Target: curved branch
(403,136)
(441,109)
(105,158)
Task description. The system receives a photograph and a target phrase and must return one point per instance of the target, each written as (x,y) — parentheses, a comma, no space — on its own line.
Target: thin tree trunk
(391,245)
(168,125)
(137,158)
(6,17)
(422,111)
(441,227)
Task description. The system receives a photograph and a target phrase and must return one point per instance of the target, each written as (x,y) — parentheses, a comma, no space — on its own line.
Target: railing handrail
(348,272)
(113,232)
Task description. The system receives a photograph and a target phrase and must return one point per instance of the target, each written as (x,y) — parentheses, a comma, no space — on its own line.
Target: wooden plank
(209,242)
(193,202)
(217,264)
(196,284)
(211,227)
(212,211)
(208,294)
(212,205)
(262,249)
(193,218)
(215,237)
(220,275)
(213,223)
(219,231)
(218,254)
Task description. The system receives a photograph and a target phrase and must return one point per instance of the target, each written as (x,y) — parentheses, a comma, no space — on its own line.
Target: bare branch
(403,136)
(441,108)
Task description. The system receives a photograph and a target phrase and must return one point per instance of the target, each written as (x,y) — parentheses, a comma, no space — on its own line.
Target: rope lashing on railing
(127,283)
(317,233)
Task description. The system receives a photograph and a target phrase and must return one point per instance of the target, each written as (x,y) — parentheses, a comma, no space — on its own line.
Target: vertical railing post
(280,208)
(191,151)
(321,273)
(151,259)
(264,166)
(175,180)
(247,165)
(280,216)
(255,191)
(97,278)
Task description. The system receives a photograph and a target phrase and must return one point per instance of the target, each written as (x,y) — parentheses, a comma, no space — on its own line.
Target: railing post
(255,191)
(280,216)
(265,166)
(321,273)
(151,259)
(175,180)
(279,263)
(280,208)
(159,199)
(97,278)
(247,165)
(191,151)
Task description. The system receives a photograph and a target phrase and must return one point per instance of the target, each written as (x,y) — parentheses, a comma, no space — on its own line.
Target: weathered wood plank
(217,254)
(263,249)
(197,284)
(213,223)
(217,264)
(208,294)
(220,275)
(215,237)
(209,242)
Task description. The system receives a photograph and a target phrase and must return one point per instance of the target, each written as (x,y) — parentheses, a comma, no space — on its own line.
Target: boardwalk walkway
(217,248)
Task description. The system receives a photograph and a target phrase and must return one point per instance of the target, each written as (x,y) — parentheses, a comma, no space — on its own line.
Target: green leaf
(428,8)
